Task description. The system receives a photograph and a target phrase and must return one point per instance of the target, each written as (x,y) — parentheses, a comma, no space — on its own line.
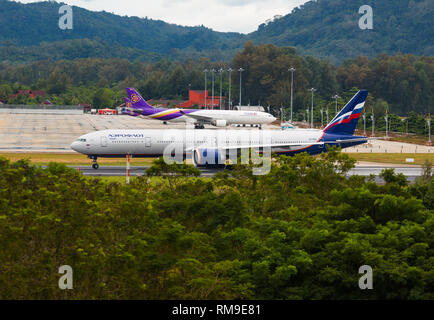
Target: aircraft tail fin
(137,102)
(127,103)
(346,120)
(127,109)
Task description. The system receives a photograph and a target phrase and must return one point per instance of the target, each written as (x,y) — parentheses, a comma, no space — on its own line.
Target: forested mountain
(330,29)
(322,28)
(31,24)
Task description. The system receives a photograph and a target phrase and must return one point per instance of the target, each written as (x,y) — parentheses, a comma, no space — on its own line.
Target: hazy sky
(221,15)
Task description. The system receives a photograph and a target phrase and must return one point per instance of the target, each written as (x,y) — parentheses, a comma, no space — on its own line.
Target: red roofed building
(32,94)
(198,98)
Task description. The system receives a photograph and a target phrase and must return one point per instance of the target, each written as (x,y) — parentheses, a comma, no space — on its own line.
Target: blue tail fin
(136,99)
(346,121)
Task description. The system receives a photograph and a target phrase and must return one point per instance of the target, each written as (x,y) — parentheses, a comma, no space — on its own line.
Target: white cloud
(221,15)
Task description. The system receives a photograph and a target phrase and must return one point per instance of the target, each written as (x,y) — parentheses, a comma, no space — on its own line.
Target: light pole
(364,124)
(230,83)
(429,129)
(212,98)
(221,86)
(241,72)
(311,117)
(327,114)
(336,97)
(373,123)
(322,117)
(292,69)
(206,80)
(387,124)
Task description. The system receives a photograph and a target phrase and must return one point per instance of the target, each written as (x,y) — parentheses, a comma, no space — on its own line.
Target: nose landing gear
(95,165)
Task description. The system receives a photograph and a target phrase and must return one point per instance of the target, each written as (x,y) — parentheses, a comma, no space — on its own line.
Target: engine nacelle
(219,123)
(210,158)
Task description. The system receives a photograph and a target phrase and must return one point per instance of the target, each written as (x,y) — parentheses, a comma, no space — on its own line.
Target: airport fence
(40,109)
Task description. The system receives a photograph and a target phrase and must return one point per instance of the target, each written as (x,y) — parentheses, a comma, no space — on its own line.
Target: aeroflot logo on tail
(135,98)
(128,135)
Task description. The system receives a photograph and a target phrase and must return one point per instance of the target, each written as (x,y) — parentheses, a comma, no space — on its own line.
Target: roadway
(116,171)
(119,171)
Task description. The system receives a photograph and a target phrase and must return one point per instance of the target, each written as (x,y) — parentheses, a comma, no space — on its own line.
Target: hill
(322,28)
(330,29)
(35,23)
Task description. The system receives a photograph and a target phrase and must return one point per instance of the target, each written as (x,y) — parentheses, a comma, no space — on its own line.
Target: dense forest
(330,29)
(301,232)
(322,28)
(73,49)
(399,84)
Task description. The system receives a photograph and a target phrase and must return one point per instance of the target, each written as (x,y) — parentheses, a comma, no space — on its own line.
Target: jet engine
(219,123)
(209,158)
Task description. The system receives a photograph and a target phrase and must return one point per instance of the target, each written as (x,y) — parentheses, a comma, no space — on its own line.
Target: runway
(117,171)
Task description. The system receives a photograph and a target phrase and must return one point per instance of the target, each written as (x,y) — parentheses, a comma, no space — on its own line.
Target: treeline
(301,232)
(71,50)
(399,84)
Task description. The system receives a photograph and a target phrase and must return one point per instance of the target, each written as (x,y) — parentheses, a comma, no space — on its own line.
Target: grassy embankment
(394,158)
(72,159)
(81,160)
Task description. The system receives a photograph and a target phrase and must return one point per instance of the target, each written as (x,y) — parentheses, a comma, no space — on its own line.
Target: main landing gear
(199,126)
(95,165)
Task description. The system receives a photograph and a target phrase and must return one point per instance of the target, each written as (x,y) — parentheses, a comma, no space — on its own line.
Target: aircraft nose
(74,146)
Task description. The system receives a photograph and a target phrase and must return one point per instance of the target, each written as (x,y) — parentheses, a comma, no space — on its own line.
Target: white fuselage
(229,116)
(154,142)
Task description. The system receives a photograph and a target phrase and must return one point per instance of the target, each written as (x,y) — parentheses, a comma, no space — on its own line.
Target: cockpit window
(81,140)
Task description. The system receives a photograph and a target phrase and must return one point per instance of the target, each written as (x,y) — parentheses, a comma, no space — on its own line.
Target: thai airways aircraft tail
(127,103)
(345,122)
(137,102)
(128,109)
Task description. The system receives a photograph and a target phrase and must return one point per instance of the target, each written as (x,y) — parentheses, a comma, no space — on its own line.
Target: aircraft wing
(197,117)
(360,139)
(134,110)
(273,145)
(352,140)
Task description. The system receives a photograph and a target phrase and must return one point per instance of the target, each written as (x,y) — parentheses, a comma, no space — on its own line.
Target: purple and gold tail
(127,103)
(128,110)
(137,102)
(346,121)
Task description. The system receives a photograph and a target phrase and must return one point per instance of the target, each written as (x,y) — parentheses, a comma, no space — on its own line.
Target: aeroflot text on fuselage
(125,135)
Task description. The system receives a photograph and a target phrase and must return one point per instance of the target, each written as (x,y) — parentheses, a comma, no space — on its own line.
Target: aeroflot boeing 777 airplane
(212,147)
(137,106)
